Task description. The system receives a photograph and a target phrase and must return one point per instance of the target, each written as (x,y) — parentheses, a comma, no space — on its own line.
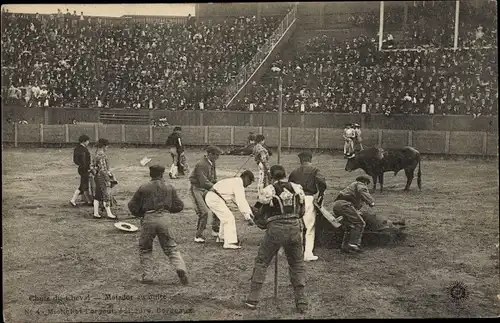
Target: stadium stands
(85,63)
(74,61)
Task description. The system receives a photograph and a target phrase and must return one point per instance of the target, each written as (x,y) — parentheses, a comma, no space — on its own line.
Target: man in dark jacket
(202,179)
(153,202)
(174,144)
(81,157)
(312,182)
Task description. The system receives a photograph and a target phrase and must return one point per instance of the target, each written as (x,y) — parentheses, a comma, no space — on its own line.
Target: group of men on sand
(285,209)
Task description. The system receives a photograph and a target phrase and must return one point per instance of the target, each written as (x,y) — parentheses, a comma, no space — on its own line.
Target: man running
(153,203)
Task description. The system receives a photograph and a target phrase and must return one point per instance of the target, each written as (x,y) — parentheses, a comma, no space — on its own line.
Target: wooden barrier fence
(427,142)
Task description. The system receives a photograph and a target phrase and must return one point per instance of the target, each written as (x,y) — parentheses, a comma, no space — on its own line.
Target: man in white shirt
(230,189)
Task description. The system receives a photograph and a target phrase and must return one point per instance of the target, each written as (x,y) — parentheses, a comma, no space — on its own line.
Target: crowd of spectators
(68,59)
(432,24)
(73,60)
(352,77)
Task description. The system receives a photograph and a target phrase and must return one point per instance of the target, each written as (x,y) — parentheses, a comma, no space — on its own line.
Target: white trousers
(173,167)
(310,224)
(348,146)
(218,206)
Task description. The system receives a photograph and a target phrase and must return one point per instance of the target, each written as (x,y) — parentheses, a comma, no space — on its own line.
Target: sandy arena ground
(53,250)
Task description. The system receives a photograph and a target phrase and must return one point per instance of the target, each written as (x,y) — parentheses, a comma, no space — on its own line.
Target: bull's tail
(419,176)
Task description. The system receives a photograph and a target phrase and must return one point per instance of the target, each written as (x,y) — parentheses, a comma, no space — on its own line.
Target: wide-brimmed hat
(127,227)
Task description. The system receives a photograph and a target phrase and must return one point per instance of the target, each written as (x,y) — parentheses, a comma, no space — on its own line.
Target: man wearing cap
(230,189)
(347,204)
(312,182)
(174,143)
(357,138)
(261,155)
(152,203)
(81,157)
(349,135)
(202,178)
(283,206)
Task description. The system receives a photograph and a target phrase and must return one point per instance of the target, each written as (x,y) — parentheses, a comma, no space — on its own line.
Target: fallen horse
(379,230)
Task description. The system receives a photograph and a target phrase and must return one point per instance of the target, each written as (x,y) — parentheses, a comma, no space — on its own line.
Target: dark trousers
(153,225)
(286,234)
(355,224)
(202,211)
(84,180)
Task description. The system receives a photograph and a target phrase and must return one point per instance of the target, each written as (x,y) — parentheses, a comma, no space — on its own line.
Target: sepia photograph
(250,161)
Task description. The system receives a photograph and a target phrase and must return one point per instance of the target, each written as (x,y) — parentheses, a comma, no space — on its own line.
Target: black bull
(375,162)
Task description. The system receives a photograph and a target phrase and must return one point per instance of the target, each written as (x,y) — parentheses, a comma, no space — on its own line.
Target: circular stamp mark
(458,291)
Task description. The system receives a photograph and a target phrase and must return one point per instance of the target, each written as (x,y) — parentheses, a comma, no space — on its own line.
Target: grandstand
(336,58)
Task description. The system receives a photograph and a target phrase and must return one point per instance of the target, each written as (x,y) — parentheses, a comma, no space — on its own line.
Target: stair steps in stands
(125,117)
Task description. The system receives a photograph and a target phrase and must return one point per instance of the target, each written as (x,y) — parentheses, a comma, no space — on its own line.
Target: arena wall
(299,120)
(427,142)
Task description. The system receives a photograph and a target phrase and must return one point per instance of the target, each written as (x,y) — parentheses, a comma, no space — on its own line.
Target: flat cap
(214,150)
(83,138)
(364,179)
(157,168)
(305,154)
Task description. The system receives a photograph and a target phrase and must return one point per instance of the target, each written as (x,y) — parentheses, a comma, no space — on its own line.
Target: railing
(429,49)
(427,142)
(249,69)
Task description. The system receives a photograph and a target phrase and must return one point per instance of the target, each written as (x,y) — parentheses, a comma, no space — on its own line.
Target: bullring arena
(62,265)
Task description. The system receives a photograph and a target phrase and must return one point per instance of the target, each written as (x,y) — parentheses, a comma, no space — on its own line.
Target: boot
(108,211)
(75,196)
(88,198)
(254,296)
(300,300)
(96,209)
(183,277)
(173,171)
(345,240)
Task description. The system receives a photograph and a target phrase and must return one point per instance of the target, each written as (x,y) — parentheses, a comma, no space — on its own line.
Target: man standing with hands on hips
(202,178)
(312,182)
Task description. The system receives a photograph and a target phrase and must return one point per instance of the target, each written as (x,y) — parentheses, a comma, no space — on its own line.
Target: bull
(376,161)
